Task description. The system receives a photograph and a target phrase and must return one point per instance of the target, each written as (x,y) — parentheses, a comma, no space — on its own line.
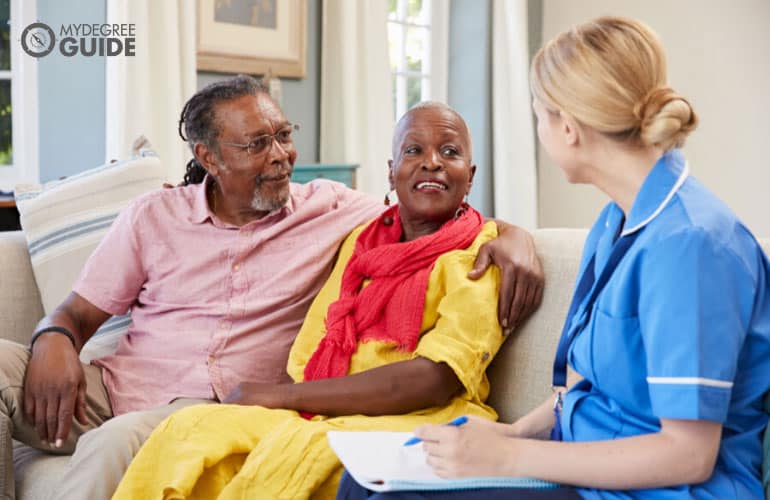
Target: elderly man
(218,276)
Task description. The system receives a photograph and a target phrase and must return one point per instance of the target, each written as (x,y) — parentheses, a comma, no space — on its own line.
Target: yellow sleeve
(314,327)
(465,332)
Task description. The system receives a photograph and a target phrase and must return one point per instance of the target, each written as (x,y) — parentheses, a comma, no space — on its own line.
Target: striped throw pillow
(65,220)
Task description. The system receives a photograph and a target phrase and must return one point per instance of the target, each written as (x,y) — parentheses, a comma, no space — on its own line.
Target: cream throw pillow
(65,220)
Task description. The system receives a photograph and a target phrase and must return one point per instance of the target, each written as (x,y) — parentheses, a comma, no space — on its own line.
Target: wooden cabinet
(345,173)
(9,216)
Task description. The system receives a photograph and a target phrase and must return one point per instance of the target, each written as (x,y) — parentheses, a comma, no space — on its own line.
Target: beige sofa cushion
(520,375)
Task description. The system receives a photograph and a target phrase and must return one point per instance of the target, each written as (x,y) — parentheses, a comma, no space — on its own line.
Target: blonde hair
(610,74)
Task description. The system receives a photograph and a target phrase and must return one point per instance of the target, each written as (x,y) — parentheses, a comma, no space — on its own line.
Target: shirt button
(485,356)
(236,267)
(224,324)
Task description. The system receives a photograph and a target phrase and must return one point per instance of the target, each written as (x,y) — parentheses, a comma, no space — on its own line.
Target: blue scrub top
(681,331)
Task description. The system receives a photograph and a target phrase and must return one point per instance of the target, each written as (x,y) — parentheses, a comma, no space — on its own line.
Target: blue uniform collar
(664,180)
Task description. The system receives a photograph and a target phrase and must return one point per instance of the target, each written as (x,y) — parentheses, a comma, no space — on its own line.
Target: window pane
(395,45)
(401,9)
(413,91)
(416,46)
(414,12)
(6,143)
(395,98)
(402,103)
(425,96)
(5,34)
(392,10)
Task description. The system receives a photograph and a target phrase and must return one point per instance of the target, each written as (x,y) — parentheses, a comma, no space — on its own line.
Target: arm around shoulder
(521,288)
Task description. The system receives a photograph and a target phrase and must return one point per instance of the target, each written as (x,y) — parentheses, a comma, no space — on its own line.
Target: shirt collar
(662,183)
(201,212)
(200,207)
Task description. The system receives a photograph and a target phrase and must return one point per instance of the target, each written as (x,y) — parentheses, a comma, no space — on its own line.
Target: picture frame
(252,36)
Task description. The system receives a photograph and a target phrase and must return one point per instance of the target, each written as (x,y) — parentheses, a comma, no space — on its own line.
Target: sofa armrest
(20,305)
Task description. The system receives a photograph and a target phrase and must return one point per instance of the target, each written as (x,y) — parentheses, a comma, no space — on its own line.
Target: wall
(72,109)
(719,57)
(470,87)
(301,98)
(470,82)
(71,96)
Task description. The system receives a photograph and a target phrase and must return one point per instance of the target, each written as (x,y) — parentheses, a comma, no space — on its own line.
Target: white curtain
(356,90)
(515,165)
(146,92)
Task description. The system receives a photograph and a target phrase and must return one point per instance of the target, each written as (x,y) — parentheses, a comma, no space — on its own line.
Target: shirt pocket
(183,277)
(290,267)
(619,361)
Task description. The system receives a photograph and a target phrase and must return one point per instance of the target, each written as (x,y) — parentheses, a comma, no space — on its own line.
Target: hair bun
(665,118)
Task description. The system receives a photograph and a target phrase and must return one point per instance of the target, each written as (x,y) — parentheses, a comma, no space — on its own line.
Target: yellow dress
(252,452)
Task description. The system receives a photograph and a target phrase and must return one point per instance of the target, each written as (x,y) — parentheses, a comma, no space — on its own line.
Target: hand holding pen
(456,423)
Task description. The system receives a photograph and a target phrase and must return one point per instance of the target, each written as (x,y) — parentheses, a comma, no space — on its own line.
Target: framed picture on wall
(252,36)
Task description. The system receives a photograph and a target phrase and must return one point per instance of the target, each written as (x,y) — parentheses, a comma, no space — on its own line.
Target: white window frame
(24,119)
(435,61)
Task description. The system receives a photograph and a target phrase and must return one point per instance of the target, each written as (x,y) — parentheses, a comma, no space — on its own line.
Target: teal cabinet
(345,173)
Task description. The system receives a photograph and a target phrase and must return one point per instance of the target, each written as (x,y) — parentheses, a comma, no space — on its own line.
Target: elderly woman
(669,328)
(398,336)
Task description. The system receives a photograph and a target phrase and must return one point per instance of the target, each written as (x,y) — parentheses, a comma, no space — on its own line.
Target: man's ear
(470,179)
(207,158)
(391,179)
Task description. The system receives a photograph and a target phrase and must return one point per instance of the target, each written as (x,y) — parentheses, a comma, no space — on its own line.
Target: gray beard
(264,203)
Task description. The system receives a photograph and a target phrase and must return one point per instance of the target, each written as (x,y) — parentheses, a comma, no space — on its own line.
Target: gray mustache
(280,174)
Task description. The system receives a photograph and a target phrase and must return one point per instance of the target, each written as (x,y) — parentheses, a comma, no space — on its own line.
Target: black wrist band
(57,329)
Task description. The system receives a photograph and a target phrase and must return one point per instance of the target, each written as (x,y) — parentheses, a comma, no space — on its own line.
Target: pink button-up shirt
(212,304)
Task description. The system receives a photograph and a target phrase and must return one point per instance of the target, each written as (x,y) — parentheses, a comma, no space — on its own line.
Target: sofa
(520,375)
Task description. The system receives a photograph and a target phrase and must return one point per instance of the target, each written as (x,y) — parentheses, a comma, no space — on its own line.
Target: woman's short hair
(610,74)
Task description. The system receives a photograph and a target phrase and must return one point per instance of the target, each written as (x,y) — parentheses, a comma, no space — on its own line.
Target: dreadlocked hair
(198,121)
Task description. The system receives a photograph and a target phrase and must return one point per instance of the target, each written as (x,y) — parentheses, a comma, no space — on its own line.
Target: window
(6,126)
(18,97)
(418,40)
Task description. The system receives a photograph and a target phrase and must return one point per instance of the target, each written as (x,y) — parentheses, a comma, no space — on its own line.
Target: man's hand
(54,388)
(521,286)
(255,393)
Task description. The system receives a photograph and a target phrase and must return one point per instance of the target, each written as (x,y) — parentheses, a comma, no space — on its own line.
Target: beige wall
(719,57)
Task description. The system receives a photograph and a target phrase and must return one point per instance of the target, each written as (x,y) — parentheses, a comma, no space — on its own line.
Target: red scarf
(390,307)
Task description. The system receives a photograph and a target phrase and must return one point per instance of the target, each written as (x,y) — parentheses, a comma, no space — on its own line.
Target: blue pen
(456,422)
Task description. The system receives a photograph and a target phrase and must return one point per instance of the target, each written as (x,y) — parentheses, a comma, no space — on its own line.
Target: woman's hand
(522,281)
(473,449)
(682,452)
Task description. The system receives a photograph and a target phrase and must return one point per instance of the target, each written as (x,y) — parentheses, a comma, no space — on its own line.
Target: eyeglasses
(263,142)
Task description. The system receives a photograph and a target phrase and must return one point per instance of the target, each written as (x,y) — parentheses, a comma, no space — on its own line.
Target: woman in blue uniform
(668,336)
